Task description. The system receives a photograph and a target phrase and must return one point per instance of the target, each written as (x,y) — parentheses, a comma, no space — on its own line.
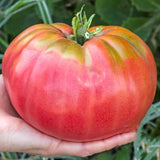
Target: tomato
(80,92)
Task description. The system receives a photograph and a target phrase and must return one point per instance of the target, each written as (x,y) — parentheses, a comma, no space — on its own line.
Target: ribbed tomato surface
(80,93)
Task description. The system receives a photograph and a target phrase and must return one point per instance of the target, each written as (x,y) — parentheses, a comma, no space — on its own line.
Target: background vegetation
(140,16)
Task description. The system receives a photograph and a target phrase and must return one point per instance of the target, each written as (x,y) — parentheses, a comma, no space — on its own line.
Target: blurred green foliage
(140,16)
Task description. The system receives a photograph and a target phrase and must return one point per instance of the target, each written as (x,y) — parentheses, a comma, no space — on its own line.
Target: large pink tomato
(80,92)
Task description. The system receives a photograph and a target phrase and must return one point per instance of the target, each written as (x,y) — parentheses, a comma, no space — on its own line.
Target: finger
(6,107)
(110,143)
(89,148)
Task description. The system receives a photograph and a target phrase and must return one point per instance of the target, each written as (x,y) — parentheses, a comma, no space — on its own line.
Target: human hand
(17,136)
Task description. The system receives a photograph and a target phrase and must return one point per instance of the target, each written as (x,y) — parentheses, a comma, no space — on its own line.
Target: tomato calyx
(80,26)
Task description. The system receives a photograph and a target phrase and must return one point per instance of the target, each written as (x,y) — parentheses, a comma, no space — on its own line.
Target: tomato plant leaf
(61,13)
(141,26)
(27,18)
(153,112)
(113,12)
(103,156)
(124,153)
(147,5)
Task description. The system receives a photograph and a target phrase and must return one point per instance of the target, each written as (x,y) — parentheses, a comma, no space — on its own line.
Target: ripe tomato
(80,92)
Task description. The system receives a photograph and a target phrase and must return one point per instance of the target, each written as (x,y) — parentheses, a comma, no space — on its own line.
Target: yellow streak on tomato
(68,49)
(46,39)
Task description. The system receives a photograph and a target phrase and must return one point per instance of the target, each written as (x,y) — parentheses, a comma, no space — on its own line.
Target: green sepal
(80,26)
(74,26)
(90,21)
(98,30)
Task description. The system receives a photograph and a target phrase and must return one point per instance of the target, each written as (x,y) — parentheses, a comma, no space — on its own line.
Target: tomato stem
(80,26)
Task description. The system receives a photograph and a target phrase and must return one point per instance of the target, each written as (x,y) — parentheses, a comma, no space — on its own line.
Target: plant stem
(44,12)
(17,5)
(4,43)
(1,56)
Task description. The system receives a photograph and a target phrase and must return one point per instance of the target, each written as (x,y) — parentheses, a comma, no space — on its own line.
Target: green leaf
(147,5)
(113,12)
(151,154)
(61,13)
(153,112)
(19,22)
(124,153)
(68,157)
(4,17)
(141,26)
(8,155)
(103,156)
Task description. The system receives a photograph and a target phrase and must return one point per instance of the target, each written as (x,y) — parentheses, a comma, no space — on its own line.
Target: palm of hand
(17,136)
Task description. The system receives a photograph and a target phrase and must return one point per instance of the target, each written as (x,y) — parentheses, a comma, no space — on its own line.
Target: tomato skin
(80,93)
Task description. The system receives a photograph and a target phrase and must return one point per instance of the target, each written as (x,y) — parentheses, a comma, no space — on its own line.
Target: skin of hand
(17,136)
